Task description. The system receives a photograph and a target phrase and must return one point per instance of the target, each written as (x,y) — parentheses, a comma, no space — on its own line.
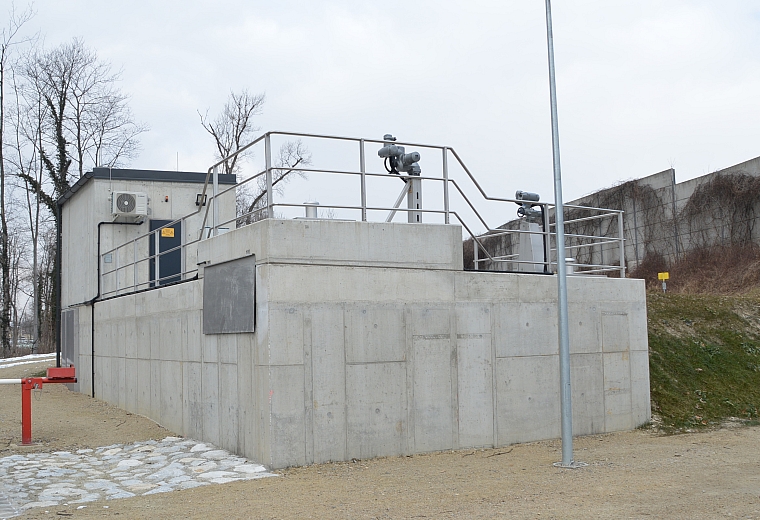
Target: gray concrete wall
(152,359)
(653,222)
(339,242)
(470,361)
(358,361)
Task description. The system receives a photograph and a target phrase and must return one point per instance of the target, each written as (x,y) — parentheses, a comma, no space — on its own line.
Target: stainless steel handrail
(483,255)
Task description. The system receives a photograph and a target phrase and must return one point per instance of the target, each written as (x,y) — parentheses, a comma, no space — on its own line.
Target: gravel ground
(638,474)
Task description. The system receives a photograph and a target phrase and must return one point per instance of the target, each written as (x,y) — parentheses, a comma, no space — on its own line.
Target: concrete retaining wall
(358,361)
(653,221)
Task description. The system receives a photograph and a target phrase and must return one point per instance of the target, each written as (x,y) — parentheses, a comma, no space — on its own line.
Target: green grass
(704,359)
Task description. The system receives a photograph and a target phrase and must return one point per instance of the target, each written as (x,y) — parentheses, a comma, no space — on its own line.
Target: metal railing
(129,274)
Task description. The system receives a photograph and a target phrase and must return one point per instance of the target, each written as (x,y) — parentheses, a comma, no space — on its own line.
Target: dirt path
(630,475)
(65,420)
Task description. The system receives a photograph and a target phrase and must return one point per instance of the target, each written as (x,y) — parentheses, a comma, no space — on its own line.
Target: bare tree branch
(292,156)
(70,116)
(233,128)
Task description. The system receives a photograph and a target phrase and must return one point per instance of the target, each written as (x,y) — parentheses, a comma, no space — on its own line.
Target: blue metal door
(169,263)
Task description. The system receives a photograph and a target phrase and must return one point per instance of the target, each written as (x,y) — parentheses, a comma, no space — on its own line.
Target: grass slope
(704,358)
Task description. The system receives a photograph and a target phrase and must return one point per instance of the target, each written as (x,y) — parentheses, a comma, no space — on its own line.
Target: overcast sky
(643,85)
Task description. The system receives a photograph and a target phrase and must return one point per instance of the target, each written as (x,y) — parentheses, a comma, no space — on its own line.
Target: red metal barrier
(54,375)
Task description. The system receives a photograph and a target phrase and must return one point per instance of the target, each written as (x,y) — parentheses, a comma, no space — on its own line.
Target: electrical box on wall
(129,204)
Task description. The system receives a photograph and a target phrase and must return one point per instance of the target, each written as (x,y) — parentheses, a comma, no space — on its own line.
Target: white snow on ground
(25,360)
(117,471)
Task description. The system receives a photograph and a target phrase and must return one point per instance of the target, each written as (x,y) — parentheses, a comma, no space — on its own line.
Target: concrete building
(89,205)
(305,340)
(90,227)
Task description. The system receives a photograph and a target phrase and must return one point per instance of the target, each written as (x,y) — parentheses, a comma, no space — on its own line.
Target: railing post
(475,253)
(621,234)
(157,270)
(364,180)
(116,272)
(547,238)
(215,214)
(182,250)
(268,158)
(134,264)
(446,185)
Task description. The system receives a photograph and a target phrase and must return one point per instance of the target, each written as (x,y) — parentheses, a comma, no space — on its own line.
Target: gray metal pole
(362,167)
(564,333)
(134,263)
(621,234)
(446,186)
(215,214)
(268,159)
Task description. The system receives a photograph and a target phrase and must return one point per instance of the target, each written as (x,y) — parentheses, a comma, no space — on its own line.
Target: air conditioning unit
(129,204)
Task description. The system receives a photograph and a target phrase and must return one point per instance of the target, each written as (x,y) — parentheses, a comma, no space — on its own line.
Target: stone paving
(117,471)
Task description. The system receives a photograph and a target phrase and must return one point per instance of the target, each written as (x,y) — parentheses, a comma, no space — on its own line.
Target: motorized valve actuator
(527,203)
(397,160)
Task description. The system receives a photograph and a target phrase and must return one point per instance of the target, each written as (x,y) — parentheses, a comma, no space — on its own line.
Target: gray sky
(643,85)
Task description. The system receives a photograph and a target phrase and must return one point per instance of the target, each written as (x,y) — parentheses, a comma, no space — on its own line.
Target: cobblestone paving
(117,471)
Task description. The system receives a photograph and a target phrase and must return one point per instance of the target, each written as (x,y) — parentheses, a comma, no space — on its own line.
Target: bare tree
(28,120)
(234,127)
(8,39)
(79,119)
(48,309)
(99,120)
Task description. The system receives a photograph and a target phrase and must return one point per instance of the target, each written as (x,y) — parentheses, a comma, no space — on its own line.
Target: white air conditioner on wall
(129,204)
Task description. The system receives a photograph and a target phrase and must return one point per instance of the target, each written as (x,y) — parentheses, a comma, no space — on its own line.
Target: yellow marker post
(663,277)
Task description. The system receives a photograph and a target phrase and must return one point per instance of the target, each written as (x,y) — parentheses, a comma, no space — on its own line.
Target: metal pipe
(546,237)
(564,332)
(622,245)
(608,210)
(600,240)
(401,196)
(58,282)
(475,255)
(446,185)
(26,412)
(10,381)
(268,158)
(355,139)
(156,260)
(92,344)
(134,264)
(215,214)
(507,257)
(97,297)
(593,217)
(116,274)
(363,180)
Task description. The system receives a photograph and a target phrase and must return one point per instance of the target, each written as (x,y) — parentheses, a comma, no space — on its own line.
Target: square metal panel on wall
(229,291)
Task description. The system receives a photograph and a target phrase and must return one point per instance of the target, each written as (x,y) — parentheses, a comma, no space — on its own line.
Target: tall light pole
(559,219)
